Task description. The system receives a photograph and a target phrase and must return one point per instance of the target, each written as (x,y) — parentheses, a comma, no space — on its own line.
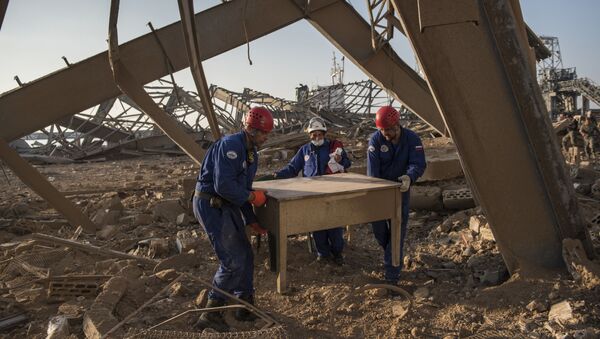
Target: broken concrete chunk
(106,217)
(167,275)
(581,268)
(178,290)
(201,298)
(107,232)
(486,234)
(143,219)
(20,209)
(113,203)
(111,293)
(158,247)
(186,241)
(97,322)
(421,293)
(476,222)
(561,312)
(378,292)
(58,328)
(536,306)
(167,210)
(183,219)
(426,198)
(180,262)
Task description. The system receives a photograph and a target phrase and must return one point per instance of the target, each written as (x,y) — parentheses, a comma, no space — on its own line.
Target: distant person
(395,153)
(568,140)
(588,131)
(319,157)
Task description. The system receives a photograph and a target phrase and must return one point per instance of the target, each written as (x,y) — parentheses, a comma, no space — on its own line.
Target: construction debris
(448,255)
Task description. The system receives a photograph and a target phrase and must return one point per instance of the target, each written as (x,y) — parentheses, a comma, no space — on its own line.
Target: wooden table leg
(396,221)
(281,262)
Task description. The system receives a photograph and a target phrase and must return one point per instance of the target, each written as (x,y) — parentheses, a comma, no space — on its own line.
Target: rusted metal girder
(130,86)
(3,7)
(89,82)
(186,11)
(351,34)
(32,178)
(479,72)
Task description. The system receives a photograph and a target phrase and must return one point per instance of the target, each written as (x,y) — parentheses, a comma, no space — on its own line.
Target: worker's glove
(257,198)
(257,229)
(405,181)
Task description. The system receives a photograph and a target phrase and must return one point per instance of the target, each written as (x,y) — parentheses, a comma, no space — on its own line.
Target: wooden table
(301,205)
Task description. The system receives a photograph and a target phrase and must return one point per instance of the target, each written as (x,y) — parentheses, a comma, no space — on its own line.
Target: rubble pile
(139,269)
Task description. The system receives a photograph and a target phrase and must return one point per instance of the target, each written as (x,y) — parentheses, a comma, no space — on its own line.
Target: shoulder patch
(419,148)
(306,157)
(384,148)
(371,148)
(232,155)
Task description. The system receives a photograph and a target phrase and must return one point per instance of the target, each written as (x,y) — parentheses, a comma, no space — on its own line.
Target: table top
(306,187)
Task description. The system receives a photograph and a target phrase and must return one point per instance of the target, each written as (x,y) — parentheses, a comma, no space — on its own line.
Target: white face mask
(318,142)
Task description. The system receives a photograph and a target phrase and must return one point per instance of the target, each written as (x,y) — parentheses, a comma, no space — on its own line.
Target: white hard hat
(316,124)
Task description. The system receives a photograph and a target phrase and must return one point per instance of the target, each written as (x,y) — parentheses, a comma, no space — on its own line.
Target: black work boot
(338,259)
(242,314)
(212,320)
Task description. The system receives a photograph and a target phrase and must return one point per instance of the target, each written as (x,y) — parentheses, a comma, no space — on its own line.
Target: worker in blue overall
(223,203)
(319,157)
(395,153)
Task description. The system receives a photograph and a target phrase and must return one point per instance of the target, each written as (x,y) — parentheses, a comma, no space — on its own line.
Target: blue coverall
(312,161)
(228,170)
(388,161)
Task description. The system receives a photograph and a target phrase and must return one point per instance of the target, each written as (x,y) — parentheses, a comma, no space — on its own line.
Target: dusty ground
(454,274)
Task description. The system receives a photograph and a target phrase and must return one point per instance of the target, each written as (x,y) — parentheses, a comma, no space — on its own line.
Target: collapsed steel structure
(111,127)
(561,86)
(481,90)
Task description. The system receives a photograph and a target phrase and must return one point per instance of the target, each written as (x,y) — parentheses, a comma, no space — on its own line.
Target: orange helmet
(260,118)
(386,117)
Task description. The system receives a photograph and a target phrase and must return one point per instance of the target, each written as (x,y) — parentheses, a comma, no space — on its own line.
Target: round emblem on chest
(232,155)
(306,157)
(384,148)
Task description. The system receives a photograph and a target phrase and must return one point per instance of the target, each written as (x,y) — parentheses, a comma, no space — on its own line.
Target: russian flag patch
(419,148)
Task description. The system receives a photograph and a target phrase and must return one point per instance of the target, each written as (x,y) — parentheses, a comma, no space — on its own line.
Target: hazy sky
(36,33)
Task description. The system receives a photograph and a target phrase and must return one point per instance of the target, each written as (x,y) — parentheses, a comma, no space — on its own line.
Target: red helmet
(386,117)
(260,118)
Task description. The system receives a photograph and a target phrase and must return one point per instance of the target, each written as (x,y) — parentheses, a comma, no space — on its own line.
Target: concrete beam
(87,83)
(478,70)
(34,180)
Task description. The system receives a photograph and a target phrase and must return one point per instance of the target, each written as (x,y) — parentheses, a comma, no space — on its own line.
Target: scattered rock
(536,306)
(107,232)
(158,248)
(421,293)
(476,222)
(58,328)
(186,241)
(183,219)
(201,299)
(167,210)
(378,292)
(561,312)
(143,219)
(167,275)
